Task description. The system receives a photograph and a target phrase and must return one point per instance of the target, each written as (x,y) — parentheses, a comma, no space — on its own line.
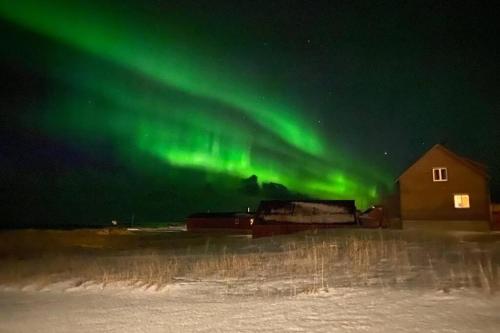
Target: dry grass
(300,263)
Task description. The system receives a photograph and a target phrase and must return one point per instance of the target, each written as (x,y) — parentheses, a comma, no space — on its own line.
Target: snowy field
(202,307)
(335,281)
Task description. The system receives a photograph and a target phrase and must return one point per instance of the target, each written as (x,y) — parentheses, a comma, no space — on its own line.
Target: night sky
(152,110)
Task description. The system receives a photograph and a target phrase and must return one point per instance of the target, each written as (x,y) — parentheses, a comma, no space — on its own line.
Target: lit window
(461,200)
(439,174)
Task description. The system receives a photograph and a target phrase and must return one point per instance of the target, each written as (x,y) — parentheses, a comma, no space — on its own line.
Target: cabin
(276,217)
(224,221)
(443,190)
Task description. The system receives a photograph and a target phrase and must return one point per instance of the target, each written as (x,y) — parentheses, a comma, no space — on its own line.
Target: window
(461,200)
(439,174)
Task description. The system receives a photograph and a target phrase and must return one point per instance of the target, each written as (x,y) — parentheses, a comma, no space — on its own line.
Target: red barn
(229,221)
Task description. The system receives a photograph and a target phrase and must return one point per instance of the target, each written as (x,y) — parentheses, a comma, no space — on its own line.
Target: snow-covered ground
(338,281)
(209,307)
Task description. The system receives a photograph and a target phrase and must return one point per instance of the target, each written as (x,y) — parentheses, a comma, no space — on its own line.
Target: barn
(276,217)
(223,221)
(443,190)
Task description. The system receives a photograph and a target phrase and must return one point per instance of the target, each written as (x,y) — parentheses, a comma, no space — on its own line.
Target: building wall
(495,216)
(440,225)
(423,199)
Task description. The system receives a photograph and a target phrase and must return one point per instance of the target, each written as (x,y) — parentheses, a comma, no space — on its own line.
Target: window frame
(461,195)
(440,172)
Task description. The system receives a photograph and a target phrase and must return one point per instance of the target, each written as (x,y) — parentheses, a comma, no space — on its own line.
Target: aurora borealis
(147,85)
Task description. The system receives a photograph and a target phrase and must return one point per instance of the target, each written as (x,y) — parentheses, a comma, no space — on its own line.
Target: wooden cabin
(445,191)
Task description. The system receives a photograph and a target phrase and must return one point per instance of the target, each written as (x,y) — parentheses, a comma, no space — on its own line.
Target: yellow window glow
(461,201)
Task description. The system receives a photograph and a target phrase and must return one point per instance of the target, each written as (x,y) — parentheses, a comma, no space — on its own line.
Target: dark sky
(160,108)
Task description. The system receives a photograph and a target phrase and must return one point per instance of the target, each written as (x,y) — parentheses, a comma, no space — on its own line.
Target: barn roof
(473,165)
(271,204)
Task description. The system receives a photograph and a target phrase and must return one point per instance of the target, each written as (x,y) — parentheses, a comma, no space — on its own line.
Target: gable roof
(268,205)
(473,165)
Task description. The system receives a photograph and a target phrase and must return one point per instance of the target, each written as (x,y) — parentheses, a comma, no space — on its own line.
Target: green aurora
(160,95)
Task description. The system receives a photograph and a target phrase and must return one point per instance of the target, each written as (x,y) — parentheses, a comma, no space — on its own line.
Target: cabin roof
(473,165)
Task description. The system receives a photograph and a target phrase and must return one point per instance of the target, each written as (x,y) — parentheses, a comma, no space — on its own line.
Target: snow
(164,281)
(211,307)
